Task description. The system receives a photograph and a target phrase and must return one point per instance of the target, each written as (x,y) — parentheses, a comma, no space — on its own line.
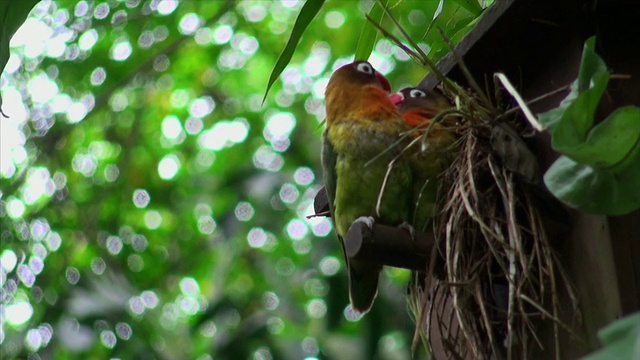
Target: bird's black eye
(415,93)
(365,67)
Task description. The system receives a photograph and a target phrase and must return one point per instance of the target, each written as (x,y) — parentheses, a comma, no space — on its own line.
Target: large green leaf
(472,6)
(600,190)
(12,15)
(590,64)
(369,33)
(308,12)
(600,167)
(577,119)
(620,340)
(609,142)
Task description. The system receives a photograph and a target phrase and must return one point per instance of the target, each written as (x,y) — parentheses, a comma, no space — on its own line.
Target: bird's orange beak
(384,82)
(396,98)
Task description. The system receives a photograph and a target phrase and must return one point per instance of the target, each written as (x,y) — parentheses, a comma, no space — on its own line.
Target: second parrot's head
(423,103)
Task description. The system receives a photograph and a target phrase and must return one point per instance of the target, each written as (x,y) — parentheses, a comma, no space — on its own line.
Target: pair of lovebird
(376,169)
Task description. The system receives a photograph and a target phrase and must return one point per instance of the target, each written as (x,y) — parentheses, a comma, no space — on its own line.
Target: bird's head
(358,73)
(358,91)
(418,104)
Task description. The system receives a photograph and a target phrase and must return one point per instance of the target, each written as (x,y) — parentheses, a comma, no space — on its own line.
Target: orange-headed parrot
(361,140)
(429,158)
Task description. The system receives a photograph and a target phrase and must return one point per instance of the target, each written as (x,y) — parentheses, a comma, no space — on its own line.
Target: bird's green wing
(329,159)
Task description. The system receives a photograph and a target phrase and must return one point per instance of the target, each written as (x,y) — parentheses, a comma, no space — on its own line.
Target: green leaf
(369,33)
(598,172)
(618,329)
(471,6)
(607,191)
(590,64)
(12,16)
(621,340)
(611,141)
(577,119)
(308,12)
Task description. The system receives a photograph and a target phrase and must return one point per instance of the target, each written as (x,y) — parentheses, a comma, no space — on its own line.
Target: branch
(389,245)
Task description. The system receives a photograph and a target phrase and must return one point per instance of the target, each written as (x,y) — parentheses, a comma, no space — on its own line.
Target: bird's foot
(408,228)
(368,220)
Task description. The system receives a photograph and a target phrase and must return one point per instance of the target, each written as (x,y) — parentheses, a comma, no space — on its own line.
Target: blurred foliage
(152,207)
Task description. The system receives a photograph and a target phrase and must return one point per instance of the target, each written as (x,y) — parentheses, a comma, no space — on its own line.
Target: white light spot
(189,286)
(36,264)
(257,238)
(60,103)
(314,66)
(193,126)
(270,300)
(152,219)
(171,127)
(318,88)
(222,34)
(256,12)
(114,245)
(279,126)
(202,107)
(224,134)
(289,193)
(149,299)
(206,224)
(121,50)
(108,339)
(73,275)
(33,340)
(88,39)
(101,11)
(352,315)
(168,167)
(166,7)
(76,112)
(8,260)
(334,19)
(189,24)
(297,229)
(248,45)
(316,308)
(303,176)
(15,208)
(18,313)
(41,88)
(329,265)
(244,211)
(124,331)
(98,76)
(141,198)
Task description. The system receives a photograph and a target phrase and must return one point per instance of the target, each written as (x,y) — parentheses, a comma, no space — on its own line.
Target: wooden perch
(389,245)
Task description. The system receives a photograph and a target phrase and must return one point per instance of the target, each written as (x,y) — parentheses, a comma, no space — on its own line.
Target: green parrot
(361,140)
(418,106)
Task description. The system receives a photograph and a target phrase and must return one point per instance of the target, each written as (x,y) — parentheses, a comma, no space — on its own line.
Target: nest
(493,278)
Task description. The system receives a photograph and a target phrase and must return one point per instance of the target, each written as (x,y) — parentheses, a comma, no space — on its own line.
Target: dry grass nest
(500,279)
